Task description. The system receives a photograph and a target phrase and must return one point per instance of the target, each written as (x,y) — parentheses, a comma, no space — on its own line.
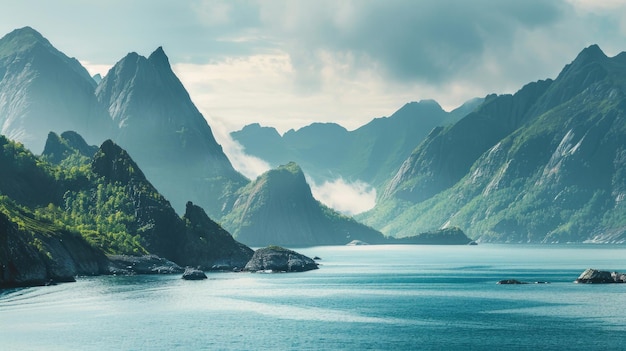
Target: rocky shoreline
(270,259)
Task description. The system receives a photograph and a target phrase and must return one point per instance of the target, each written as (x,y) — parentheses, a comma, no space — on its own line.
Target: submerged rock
(594,276)
(193,274)
(510,282)
(356,243)
(278,259)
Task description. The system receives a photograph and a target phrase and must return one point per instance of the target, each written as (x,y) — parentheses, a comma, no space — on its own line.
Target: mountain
(278,209)
(370,153)
(163,130)
(42,90)
(67,146)
(545,165)
(53,214)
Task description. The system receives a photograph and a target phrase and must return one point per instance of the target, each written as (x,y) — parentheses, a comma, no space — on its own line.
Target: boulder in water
(278,259)
(193,274)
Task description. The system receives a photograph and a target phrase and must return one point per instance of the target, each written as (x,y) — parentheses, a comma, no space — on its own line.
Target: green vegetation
(75,199)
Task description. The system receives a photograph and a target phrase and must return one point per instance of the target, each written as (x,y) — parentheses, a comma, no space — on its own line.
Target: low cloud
(347,198)
(249,166)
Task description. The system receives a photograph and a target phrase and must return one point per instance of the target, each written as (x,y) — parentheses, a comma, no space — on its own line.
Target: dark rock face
(278,259)
(31,258)
(594,276)
(210,246)
(193,274)
(59,147)
(147,264)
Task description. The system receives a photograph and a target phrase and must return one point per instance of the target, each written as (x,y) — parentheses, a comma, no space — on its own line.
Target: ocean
(396,297)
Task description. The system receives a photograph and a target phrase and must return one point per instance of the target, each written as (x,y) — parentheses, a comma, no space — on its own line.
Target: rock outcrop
(278,259)
(146,264)
(193,274)
(594,276)
(39,254)
(446,236)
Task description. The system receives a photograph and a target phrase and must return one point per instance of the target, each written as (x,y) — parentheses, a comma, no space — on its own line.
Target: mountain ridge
(553,173)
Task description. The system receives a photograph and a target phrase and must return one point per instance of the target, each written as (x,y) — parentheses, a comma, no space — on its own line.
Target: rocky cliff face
(42,90)
(163,130)
(209,245)
(37,257)
(279,209)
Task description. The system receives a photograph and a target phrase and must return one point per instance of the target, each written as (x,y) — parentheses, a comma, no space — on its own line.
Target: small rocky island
(193,274)
(594,276)
(279,259)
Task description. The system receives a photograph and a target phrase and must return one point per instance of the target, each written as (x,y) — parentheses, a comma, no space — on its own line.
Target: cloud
(348,198)
(249,166)
(288,63)
(410,41)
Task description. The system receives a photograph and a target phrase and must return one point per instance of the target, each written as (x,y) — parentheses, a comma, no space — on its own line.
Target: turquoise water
(364,297)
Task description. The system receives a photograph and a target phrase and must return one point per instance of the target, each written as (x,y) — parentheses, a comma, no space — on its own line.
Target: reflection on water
(363,297)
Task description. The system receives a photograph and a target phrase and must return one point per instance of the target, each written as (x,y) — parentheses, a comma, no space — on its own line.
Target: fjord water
(362,297)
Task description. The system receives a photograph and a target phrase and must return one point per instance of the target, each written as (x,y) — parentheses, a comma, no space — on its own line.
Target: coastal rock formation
(594,276)
(446,236)
(193,274)
(147,264)
(37,253)
(278,259)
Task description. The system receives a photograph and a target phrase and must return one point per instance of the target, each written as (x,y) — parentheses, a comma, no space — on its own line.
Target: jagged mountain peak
(113,163)
(589,56)
(592,52)
(158,125)
(59,147)
(158,56)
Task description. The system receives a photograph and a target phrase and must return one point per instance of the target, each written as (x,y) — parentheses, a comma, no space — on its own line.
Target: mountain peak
(591,53)
(159,58)
(21,39)
(114,163)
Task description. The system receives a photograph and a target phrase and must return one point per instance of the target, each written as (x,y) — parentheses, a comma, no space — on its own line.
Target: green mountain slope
(543,165)
(278,209)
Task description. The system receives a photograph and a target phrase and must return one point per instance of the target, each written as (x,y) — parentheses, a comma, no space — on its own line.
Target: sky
(289,63)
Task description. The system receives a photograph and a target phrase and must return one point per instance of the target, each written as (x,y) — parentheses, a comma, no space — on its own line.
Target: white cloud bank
(347,198)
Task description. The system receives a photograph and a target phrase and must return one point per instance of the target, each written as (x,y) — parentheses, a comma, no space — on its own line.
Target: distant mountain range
(545,164)
(371,153)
